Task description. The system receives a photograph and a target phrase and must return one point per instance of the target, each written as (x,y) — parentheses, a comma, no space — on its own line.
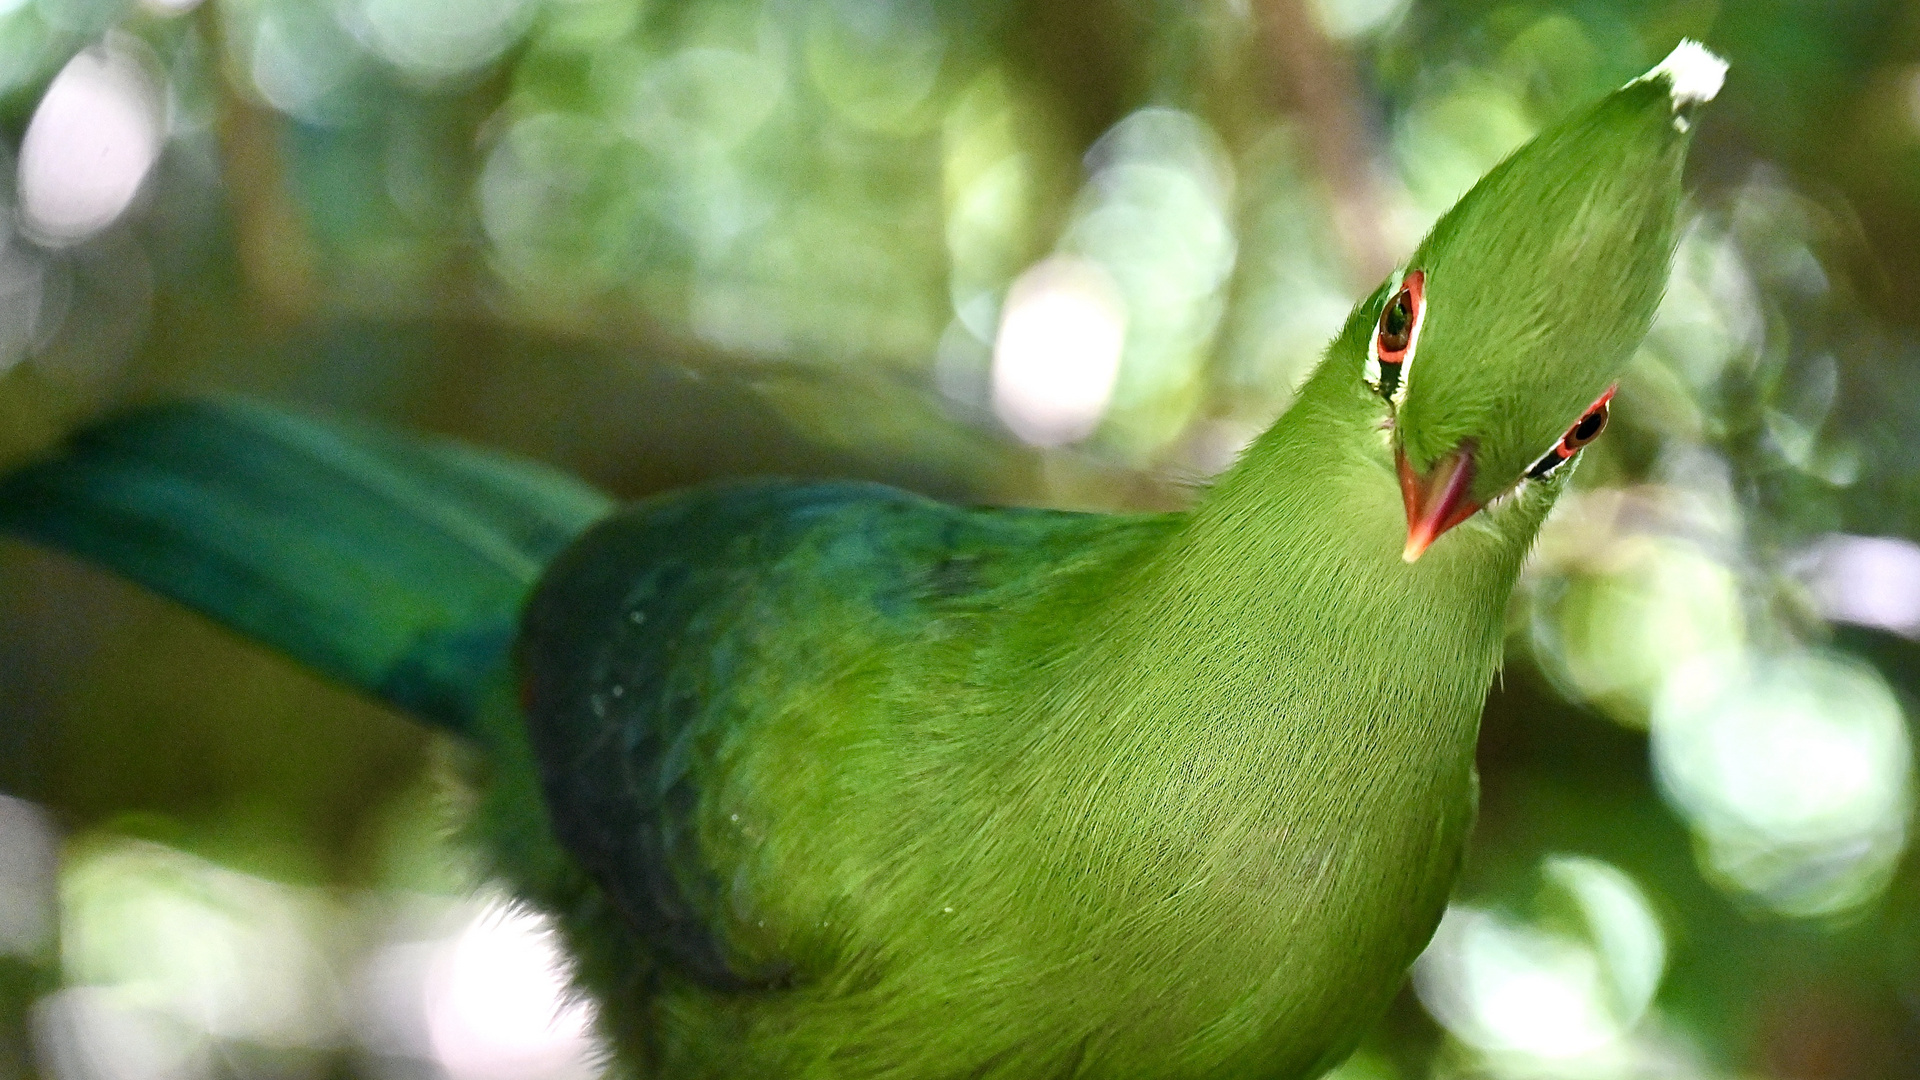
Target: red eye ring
(1590,423)
(1589,427)
(1584,430)
(1395,334)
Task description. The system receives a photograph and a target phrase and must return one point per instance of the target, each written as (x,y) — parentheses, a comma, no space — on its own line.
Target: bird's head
(1493,353)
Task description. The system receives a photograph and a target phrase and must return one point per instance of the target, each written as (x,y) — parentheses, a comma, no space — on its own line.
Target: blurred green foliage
(662,241)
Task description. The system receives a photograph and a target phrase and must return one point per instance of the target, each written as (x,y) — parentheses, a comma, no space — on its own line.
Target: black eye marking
(1394,338)
(1584,430)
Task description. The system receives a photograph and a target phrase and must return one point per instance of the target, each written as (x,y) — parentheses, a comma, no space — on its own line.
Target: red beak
(1437,501)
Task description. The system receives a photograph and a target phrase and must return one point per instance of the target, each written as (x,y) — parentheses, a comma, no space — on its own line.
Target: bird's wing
(676,630)
(393,563)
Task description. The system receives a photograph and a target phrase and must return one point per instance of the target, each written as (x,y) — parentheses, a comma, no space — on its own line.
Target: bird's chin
(1515,515)
(1436,500)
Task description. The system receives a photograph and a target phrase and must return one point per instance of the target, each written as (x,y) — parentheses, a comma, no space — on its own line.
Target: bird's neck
(1279,628)
(1257,739)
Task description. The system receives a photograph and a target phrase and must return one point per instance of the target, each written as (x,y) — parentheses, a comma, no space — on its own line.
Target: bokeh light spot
(1532,996)
(700,99)
(1153,216)
(1866,581)
(1794,772)
(1611,635)
(439,39)
(228,954)
(1057,356)
(1348,19)
(90,144)
(876,62)
(302,64)
(498,1006)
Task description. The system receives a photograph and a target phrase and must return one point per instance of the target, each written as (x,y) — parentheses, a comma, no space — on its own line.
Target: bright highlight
(90,145)
(1057,356)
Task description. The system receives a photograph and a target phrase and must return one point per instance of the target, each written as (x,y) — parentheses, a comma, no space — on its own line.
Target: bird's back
(714,688)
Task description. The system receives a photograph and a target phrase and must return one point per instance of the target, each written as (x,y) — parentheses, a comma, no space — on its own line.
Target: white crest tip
(1692,72)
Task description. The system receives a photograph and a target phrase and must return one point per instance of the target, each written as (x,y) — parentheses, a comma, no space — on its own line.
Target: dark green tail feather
(396,565)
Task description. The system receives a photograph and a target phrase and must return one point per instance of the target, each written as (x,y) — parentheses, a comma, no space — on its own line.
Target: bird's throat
(1279,637)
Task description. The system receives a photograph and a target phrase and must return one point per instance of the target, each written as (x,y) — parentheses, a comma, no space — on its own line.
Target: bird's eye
(1584,430)
(1396,324)
(1588,429)
(1394,339)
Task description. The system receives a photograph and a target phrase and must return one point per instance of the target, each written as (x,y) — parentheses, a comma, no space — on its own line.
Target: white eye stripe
(1372,373)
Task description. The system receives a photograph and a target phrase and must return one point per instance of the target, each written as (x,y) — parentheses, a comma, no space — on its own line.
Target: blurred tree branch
(1317,80)
(275,254)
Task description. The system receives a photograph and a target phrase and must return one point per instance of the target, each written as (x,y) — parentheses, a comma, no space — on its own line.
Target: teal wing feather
(397,565)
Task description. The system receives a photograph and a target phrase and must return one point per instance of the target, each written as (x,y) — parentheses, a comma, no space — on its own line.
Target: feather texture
(833,782)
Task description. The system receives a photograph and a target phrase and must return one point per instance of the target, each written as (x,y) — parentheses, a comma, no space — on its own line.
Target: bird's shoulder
(686,634)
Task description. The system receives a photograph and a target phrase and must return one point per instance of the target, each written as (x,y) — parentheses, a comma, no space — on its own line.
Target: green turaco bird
(827,780)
